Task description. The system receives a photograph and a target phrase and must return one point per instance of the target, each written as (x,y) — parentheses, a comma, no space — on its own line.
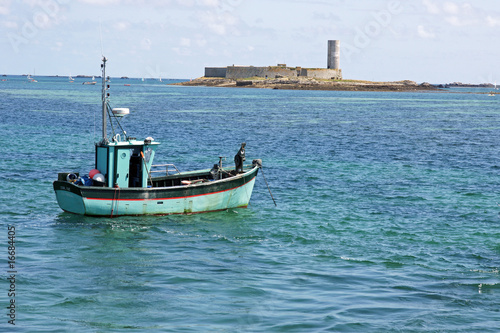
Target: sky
(434,41)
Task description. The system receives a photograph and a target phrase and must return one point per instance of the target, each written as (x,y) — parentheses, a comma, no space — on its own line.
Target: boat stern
(69,197)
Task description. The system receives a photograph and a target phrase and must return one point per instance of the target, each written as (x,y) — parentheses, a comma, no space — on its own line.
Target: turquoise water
(386,220)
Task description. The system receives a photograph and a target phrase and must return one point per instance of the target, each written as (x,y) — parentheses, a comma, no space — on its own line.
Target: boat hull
(186,199)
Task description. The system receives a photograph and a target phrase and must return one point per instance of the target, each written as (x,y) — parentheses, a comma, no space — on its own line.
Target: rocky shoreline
(310,84)
(466,85)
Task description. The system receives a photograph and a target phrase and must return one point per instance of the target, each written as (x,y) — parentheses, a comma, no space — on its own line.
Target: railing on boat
(166,166)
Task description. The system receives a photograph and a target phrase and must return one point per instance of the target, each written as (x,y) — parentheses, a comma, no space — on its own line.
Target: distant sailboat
(71,78)
(492,93)
(31,79)
(92,82)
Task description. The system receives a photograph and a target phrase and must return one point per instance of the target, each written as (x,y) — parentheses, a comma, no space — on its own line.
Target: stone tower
(333,54)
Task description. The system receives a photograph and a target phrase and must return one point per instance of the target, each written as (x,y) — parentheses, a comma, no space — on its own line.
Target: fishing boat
(123,181)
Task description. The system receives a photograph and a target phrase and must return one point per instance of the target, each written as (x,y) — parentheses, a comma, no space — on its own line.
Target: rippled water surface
(386,221)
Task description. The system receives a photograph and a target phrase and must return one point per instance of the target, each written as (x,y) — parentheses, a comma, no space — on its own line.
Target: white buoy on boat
(98,177)
(120,112)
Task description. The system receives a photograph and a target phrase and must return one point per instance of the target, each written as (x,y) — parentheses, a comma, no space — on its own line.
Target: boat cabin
(127,163)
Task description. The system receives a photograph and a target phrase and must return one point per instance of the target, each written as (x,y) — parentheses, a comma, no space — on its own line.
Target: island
(298,83)
(282,76)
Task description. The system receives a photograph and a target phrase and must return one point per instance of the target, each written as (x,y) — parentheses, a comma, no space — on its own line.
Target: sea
(374,212)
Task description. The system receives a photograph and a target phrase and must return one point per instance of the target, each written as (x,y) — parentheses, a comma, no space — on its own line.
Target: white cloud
(31,3)
(121,26)
(431,7)
(140,3)
(462,21)
(467,7)
(185,42)
(4,7)
(100,2)
(185,3)
(492,21)
(210,3)
(218,23)
(455,21)
(460,15)
(182,51)
(57,46)
(10,24)
(146,44)
(450,8)
(200,42)
(218,28)
(423,33)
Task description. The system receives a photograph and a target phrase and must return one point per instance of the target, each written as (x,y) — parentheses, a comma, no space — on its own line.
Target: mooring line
(262,169)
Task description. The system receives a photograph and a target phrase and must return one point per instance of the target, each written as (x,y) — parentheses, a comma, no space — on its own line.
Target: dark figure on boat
(214,172)
(240,158)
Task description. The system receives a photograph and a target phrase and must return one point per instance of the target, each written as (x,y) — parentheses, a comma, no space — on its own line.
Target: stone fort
(332,71)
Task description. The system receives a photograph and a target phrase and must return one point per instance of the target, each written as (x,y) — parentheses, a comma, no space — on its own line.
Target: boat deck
(194,177)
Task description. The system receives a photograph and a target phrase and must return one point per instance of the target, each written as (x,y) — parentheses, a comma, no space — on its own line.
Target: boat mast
(104,100)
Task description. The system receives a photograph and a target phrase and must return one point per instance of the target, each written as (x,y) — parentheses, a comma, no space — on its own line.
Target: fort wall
(241,72)
(271,72)
(215,71)
(322,73)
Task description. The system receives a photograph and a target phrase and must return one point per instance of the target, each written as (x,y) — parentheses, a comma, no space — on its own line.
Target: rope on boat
(262,169)
(146,167)
(108,107)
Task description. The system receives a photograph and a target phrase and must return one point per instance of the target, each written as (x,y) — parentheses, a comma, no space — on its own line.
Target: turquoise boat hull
(207,196)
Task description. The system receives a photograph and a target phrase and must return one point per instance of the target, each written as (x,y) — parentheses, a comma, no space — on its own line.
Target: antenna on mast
(100,33)
(104,100)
